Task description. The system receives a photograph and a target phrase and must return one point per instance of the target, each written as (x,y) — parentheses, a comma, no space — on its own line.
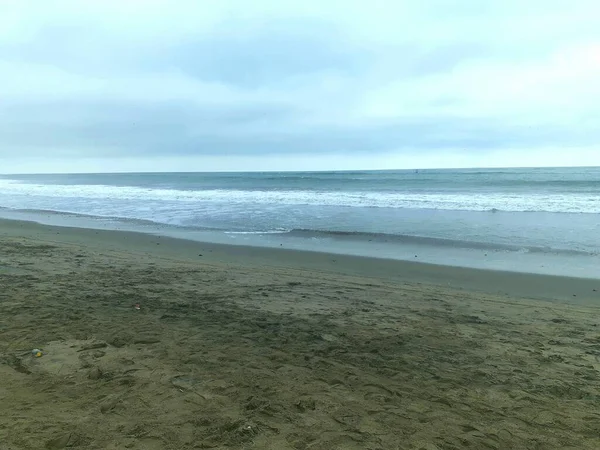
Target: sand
(263,349)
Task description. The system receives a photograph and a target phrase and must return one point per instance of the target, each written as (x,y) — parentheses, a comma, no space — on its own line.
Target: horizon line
(308,171)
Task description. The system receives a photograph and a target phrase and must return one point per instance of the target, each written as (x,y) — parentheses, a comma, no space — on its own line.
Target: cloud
(152,79)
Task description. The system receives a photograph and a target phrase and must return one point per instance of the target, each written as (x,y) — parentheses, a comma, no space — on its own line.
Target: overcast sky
(136,85)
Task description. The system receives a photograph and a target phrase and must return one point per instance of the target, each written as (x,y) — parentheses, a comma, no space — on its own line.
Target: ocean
(542,220)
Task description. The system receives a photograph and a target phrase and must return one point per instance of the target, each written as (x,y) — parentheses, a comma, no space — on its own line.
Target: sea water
(544,220)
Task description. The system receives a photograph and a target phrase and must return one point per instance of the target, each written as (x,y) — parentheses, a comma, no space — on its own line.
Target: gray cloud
(313,80)
(104,129)
(265,55)
(249,56)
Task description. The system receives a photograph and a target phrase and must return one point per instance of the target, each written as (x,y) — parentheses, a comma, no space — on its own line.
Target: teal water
(445,212)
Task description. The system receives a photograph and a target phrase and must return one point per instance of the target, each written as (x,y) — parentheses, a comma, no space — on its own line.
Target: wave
(258,232)
(15,194)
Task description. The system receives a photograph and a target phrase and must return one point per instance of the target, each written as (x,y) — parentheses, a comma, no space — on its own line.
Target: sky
(174,85)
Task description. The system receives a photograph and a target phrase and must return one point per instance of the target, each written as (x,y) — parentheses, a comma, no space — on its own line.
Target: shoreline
(513,284)
(582,262)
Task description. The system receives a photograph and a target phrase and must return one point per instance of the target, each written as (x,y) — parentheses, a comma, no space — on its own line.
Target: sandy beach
(246,348)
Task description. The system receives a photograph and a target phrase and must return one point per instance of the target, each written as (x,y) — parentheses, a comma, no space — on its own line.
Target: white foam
(488,201)
(259,232)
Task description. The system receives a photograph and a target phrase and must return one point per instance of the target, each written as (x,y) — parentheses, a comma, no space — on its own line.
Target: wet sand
(237,347)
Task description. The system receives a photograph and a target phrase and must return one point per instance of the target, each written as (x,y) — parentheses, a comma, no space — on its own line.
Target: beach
(150,342)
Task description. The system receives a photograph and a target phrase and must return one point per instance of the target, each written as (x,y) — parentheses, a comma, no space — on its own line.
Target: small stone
(95,373)
(109,403)
(59,442)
